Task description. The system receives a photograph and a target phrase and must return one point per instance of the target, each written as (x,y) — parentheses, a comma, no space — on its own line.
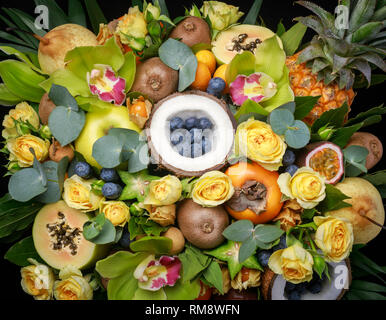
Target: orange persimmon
(243,172)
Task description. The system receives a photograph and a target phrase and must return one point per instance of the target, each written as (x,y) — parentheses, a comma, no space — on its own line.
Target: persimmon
(242,172)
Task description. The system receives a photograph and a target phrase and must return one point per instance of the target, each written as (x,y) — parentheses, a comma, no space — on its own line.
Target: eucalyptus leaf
(298,136)
(19,180)
(62,97)
(355,159)
(281,120)
(179,56)
(66,124)
(240,230)
(267,233)
(106,235)
(247,249)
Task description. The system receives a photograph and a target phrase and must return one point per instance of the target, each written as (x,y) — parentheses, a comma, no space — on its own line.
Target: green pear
(56,43)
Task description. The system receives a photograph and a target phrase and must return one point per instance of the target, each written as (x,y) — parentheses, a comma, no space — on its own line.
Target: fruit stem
(372,221)
(41,39)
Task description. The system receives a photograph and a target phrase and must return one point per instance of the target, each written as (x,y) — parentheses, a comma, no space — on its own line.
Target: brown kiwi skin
(191,31)
(202,226)
(371,143)
(45,108)
(155,79)
(57,152)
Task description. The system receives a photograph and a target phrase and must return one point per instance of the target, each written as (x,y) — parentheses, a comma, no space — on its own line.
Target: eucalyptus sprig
(261,236)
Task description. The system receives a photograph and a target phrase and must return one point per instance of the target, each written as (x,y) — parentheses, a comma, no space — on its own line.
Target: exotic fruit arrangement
(205,157)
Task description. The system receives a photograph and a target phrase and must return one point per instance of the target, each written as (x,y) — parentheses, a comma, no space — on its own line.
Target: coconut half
(340,273)
(190,104)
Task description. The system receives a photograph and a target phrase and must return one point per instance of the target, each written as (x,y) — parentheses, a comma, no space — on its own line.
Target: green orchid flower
(96,76)
(260,82)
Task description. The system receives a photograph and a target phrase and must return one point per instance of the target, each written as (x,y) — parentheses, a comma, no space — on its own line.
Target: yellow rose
(37,280)
(212,189)
(132,26)
(72,286)
(19,149)
(164,191)
(221,15)
(78,195)
(116,211)
(334,237)
(23,112)
(306,186)
(257,141)
(293,263)
(164,215)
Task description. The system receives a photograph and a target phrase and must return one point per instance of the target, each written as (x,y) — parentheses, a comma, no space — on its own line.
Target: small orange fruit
(220,73)
(208,58)
(203,77)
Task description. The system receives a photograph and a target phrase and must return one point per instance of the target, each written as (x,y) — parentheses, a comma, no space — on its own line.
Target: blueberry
(263,257)
(204,123)
(294,295)
(289,287)
(109,175)
(282,244)
(184,149)
(206,145)
(314,288)
(191,123)
(176,137)
(291,169)
(83,170)
(213,93)
(301,287)
(125,239)
(196,135)
(111,190)
(196,150)
(176,123)
(216,85)
(289,157)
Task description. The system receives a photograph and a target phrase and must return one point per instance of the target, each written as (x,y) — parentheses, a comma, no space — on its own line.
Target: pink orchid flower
(104,83)
(153,274)
(257,87)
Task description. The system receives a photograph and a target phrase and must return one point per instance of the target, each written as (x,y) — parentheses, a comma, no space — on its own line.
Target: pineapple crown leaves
(335,54)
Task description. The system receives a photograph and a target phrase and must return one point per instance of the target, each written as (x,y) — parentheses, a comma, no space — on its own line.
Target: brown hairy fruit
(155,79)
(46,106)
(371,143)
(202,226)
(57,152)
(191,31)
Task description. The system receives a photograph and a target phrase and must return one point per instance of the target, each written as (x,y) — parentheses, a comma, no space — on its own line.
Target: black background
(272,12)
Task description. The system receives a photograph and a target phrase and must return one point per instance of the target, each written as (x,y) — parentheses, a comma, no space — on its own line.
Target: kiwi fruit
(155,79)
(202,226)
(57,152)
(371,143)
(191,31)
(45,108)
(178,239)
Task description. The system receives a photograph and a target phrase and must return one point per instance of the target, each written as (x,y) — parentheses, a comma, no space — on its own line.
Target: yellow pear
(56,43)
(366,207)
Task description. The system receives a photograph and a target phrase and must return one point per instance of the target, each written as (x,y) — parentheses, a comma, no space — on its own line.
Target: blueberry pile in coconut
(190,133)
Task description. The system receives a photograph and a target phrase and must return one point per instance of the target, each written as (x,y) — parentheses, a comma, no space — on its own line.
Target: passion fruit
(326,158)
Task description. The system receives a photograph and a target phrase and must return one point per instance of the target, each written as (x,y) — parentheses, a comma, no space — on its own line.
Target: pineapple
(327,66)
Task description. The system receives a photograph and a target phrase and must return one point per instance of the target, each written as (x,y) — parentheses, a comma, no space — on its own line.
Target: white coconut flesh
(186,106)
(340,275)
